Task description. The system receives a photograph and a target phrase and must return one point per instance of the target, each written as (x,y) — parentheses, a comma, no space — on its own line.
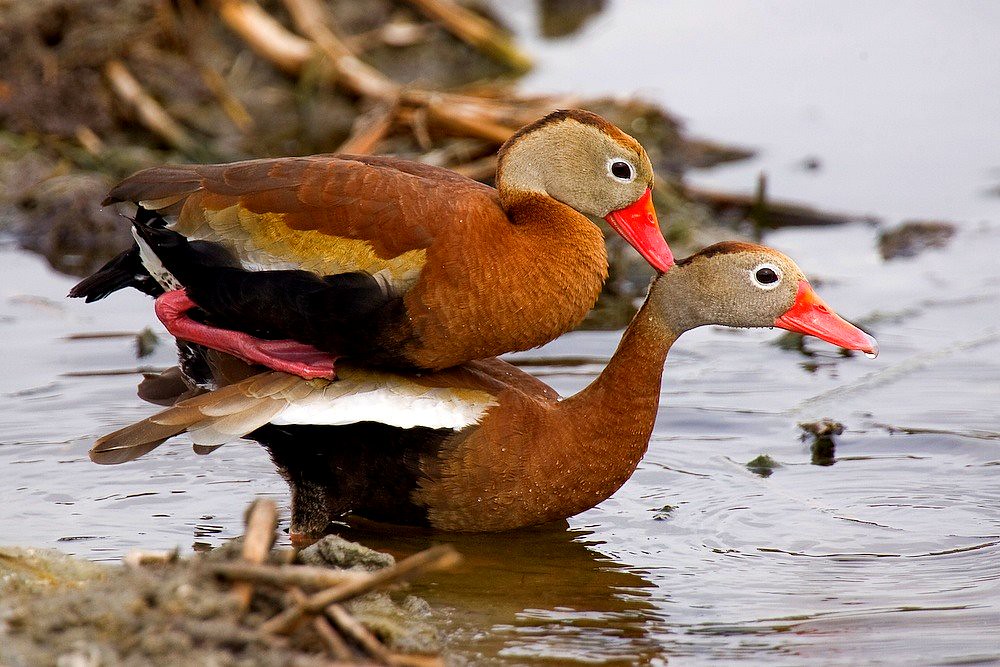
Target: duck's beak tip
(810,315)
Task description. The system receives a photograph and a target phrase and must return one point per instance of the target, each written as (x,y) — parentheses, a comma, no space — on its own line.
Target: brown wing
(325,213)
(493,376)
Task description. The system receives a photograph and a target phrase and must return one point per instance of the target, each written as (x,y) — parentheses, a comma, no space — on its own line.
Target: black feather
(125,270)
(342,313)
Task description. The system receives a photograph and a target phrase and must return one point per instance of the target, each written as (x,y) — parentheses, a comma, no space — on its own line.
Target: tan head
(747,285)
(580,159)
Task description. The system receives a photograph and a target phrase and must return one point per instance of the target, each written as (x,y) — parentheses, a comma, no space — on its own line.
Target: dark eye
(622,170)
(766,276)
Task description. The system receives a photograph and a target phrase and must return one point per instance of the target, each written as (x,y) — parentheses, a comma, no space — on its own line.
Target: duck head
(580,159)
(748,285)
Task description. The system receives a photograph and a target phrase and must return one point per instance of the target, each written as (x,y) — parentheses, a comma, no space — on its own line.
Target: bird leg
(288,356)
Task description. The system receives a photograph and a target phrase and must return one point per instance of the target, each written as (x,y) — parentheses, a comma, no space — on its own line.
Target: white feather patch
(155,267)
(387,399)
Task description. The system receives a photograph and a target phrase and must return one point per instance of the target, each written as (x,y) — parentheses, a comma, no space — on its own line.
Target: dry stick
(478,169)
(436,558)
(262,521)
(467,123)
(283,576)
(411,660)
(368,130)
(230,104)
(290,52)
(334,643)
(355,74)
(266,36)
(353,628)
(150,113)
(477,31)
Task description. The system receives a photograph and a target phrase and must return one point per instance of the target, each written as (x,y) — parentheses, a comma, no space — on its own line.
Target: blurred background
(861,139)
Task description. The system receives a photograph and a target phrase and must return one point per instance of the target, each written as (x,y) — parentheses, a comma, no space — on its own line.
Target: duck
(486,447)
(385,261)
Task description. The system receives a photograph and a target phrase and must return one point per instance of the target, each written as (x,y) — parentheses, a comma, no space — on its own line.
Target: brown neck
(613,417)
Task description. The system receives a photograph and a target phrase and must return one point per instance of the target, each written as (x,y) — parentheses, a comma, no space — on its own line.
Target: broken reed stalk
(368,130)
(352,628)
(231,105)
(335,644)
(284,576)
(477,31)
(436,558)
(268,38)
(462,114)
(355,74)
(148,110)
(261,522)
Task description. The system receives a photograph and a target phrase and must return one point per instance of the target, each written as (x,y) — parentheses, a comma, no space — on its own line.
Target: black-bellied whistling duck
(423,268)
(484,446)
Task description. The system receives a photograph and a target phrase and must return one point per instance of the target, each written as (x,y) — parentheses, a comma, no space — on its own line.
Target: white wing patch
(386,399)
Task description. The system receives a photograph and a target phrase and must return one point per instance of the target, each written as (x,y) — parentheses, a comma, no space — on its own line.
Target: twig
(436,558)
(411,660)
(354,74)
(335,645)
(89,140)
(230,104)
(477,31)
(478,169)
(368,130)
(283,576)
(137,558)
(262,521)
(265,35)
(353,628)
(467,124)
(149,111)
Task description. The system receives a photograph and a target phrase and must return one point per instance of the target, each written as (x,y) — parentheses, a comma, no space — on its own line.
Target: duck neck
(613,417)
(628,388)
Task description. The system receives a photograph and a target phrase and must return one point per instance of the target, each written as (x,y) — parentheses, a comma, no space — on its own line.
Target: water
(890,555)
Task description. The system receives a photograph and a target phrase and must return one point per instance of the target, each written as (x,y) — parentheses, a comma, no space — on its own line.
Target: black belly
(367,469)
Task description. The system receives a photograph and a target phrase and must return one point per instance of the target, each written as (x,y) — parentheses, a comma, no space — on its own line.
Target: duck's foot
(288,356)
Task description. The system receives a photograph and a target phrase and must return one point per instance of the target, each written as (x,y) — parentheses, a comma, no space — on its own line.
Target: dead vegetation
(92,90)
(246,603)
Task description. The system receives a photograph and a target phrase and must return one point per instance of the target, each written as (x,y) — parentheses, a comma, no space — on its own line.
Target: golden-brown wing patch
(323,213)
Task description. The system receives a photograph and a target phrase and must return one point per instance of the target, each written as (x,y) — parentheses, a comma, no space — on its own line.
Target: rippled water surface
(891,554)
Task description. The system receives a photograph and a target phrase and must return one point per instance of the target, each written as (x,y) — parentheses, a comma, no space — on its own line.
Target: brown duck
(386,261)
(485,446)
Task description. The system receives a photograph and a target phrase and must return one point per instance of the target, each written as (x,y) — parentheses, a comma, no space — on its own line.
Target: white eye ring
(631,168)
(756,279)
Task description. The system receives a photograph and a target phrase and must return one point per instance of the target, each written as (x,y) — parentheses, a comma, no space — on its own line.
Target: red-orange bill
(810,315)
(638,225)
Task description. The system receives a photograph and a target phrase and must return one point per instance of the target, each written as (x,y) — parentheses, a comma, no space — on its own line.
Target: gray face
(579,165)
(743,286)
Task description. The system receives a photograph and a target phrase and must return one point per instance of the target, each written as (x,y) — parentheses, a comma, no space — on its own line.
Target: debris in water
(663,513)
(823,434)
(145,343)
(763,465)
(914,237)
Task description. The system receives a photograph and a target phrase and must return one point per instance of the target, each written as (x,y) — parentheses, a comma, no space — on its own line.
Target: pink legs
(288,356)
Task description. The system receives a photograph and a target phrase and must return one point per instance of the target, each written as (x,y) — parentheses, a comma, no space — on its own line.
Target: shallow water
(891,554)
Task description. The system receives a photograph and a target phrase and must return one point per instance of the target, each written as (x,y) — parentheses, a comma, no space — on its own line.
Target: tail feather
(125,270)
(212,418)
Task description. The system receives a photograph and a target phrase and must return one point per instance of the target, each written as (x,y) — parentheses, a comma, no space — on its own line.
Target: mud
(62,610)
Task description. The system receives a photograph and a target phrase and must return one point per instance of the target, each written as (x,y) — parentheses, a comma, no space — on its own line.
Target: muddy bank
(224,607)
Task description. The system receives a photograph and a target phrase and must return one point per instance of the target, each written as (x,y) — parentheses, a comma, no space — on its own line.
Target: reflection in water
(546,591)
